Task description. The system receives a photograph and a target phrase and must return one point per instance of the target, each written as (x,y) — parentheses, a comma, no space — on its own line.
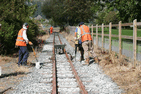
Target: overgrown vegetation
(13,13)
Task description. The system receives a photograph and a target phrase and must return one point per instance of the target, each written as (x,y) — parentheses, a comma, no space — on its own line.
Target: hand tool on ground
(37,64)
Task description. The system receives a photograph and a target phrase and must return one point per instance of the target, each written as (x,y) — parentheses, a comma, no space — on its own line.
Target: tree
(128,10)
(68,11)
(111,17)
(13,13)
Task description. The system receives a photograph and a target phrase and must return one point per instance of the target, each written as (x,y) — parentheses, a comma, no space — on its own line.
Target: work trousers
(87,46)
(23,55)
(79,46)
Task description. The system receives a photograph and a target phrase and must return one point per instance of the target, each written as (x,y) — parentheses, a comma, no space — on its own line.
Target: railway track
(67,79)
(59,75)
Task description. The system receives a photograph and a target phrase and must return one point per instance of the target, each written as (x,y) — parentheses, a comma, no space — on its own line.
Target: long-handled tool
(37,63)
(75,50)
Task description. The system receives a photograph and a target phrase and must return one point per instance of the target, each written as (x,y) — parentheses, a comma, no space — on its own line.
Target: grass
(128,32)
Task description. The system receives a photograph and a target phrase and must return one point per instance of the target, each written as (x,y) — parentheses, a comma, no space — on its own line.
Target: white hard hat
(0,24)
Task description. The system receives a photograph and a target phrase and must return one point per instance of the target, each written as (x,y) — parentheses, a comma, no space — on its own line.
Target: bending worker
(51,30)
(87,43)
(22,42)
(78,44)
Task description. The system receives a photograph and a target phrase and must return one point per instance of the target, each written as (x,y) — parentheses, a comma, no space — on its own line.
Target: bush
(13,13)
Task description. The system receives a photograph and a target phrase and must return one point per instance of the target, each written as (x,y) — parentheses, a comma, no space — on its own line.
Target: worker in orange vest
(21,43)
(87,42)
(51,30)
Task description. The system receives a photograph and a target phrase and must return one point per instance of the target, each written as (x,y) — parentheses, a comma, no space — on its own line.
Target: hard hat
(0,24)
(81,23)
(26,25)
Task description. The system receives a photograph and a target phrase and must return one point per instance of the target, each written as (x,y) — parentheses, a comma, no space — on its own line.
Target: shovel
(37,64)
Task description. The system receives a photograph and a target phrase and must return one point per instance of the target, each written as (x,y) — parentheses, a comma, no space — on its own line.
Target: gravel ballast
(92,76)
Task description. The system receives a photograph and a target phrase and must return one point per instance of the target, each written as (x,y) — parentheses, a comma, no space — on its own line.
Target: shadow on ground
(13,74)
(3,92)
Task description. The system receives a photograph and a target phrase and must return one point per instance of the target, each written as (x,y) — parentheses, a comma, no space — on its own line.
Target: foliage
(111,17)
(13,13)
(69,11)
(128,10)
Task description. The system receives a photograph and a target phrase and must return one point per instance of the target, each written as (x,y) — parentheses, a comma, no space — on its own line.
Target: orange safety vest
(20,40)
(51,30)
(85,33)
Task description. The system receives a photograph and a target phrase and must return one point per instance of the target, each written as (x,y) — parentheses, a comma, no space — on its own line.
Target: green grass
(128,32)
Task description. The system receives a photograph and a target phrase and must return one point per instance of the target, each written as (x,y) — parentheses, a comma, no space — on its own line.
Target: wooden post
(92,32)
(96,36)
(134,41)
(102,37)
(110,26)
(120,50)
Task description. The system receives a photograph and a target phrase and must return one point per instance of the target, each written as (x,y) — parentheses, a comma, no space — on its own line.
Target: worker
(21,43)
(78,44)
(86,42)
(51,30)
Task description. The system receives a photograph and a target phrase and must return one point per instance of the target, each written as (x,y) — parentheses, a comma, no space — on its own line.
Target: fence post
(96,36)
(120,51)
(92,32)
(134,41)
(102,37)
(110,26)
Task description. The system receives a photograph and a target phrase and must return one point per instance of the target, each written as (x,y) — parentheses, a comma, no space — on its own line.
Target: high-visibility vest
(85,33)
(77,34)
(51,30)
(20,40)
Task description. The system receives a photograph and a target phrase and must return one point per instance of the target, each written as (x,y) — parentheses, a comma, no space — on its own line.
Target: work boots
(96,59)
(81,59)
(87,61)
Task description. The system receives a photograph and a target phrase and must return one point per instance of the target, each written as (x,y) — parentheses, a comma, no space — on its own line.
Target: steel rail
(54,89)
(81,86)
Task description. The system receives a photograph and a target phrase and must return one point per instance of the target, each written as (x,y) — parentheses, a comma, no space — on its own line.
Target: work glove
(75,39)
(30,43)
(16,46)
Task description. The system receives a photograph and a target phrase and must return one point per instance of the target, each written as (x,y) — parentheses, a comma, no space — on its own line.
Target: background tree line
(72,12)
(13,13)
